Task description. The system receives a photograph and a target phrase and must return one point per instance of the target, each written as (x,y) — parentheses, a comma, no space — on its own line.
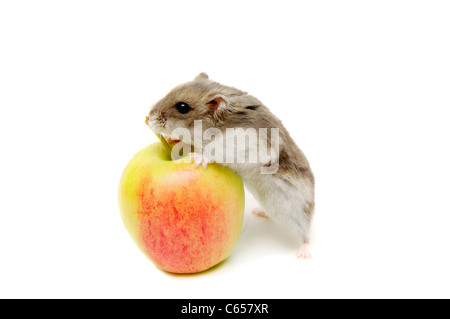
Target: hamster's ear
(201,76)
(218,103)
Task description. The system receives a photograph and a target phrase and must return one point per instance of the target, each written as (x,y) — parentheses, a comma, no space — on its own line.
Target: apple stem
(164,142)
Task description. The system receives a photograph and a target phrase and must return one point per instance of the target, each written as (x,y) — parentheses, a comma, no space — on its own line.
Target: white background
(363,87)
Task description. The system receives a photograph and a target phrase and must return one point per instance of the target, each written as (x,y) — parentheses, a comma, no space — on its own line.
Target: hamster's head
(200,99)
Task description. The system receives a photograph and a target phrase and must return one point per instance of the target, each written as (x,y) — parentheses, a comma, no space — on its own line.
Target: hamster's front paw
(199,158)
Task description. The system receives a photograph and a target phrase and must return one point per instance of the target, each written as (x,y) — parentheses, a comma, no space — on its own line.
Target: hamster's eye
(182,107)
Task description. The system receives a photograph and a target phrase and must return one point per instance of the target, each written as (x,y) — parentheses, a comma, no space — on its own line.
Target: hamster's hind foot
(304,252)
(259,212)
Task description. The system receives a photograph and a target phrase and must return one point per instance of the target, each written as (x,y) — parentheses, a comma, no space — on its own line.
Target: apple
(186,219)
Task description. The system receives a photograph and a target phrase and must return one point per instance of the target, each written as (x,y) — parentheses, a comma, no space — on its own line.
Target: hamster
(286,196)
